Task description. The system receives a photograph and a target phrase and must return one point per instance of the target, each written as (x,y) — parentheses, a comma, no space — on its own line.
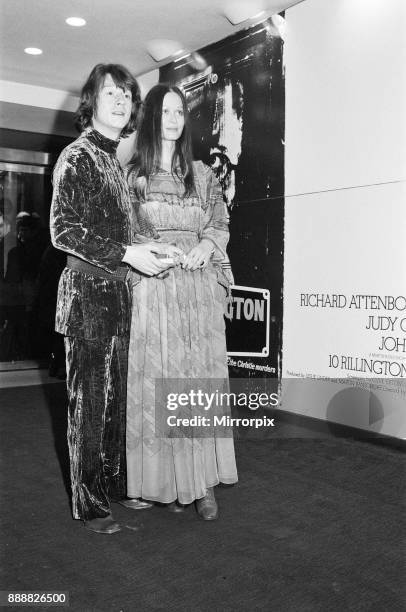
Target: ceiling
(117,31)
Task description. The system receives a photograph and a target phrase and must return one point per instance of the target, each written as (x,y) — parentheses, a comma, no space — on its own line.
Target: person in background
(43,238)
(178,328)
(90,220)
(52,344)
(8,240)
(21,277)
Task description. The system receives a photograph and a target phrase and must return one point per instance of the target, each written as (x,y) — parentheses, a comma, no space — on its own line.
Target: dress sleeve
(73,177)
(216,216)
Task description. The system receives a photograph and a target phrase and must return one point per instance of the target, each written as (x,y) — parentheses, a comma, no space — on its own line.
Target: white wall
(345,207)
(47,111)
(345,94)
(42,97)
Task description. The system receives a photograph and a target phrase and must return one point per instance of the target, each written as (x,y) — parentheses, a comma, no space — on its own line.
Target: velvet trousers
(97,387)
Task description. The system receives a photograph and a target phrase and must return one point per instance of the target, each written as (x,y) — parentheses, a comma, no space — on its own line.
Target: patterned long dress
(178,331)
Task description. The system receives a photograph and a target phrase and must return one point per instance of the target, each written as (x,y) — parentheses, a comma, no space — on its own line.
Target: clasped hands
(143,257)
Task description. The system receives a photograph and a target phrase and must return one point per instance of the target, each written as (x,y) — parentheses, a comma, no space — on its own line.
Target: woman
(178,329)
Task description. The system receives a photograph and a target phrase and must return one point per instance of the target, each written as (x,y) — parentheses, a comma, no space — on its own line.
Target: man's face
(25,234)
(113,109)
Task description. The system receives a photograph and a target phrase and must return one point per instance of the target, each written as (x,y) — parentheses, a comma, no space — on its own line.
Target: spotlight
(76,22)
(181,55)
(279,24)
(33,51)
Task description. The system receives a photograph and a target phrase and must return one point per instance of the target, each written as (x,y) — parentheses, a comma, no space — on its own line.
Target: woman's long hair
(88,98)
(148,149)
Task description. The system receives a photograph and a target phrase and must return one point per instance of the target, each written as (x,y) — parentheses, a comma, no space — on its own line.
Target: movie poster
(236,96)
(345,308)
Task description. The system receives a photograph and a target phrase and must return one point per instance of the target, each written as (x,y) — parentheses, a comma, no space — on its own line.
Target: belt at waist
(75,263)
(176,229)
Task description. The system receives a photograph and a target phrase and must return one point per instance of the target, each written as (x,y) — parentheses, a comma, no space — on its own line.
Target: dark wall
(34,141)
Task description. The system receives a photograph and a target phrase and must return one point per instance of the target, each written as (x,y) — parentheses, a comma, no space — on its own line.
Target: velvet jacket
(90,219)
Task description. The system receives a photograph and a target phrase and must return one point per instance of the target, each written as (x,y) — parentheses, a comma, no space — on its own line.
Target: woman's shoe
(104,524)
(135,504)
(175,506)
(207,507)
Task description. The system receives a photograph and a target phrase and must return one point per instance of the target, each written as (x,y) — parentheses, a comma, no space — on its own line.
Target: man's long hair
(148,150)
(88,98)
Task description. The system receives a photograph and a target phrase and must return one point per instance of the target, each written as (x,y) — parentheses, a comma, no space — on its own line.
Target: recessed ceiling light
(33,51)
(76,22)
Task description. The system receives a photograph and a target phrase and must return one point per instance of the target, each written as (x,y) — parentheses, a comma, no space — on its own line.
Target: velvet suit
(90,220)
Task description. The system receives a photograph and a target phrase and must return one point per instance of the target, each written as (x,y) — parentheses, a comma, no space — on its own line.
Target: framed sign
(247,322)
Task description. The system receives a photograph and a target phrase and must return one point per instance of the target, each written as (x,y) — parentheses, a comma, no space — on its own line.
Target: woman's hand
(142,257)
(199,256)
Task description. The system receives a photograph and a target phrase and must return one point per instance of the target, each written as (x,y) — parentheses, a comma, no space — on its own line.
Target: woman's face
(173,118)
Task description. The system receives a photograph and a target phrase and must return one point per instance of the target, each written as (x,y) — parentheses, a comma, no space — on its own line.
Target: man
(91,221)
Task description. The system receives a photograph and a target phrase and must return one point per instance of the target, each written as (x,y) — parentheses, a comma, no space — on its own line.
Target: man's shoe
(207,507)
(103,525)
(135,504)
(175,506)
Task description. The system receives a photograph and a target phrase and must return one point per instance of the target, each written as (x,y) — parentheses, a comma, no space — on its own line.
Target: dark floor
(315,524)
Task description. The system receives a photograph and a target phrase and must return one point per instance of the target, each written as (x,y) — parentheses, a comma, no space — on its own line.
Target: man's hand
(142,258)
(199,256)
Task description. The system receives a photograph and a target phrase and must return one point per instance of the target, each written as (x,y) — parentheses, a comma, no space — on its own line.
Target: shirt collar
(104,143)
